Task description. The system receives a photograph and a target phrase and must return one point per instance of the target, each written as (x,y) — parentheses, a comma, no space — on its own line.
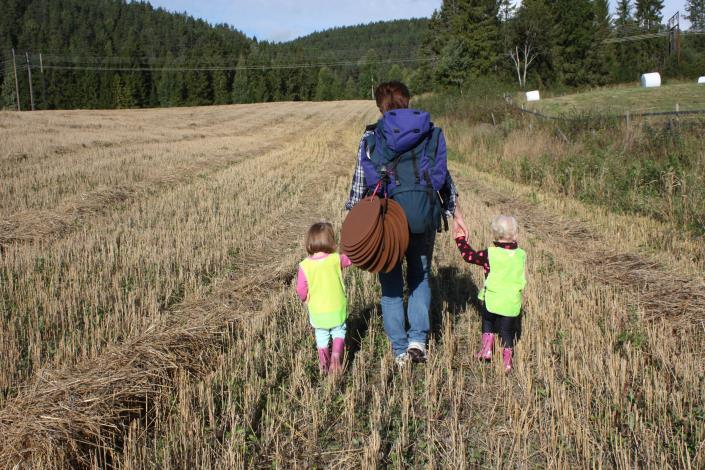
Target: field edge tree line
(118,54)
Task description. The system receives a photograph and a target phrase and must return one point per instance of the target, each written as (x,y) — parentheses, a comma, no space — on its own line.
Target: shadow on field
(452,290)
(357,330)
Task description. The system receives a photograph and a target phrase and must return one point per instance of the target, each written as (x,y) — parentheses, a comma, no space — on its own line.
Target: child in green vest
(319,284)
(504,265)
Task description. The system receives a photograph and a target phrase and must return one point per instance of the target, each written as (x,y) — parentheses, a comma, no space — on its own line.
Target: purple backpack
(409,164)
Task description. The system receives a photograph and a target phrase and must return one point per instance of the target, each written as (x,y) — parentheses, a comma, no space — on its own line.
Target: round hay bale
(651,80)
(701,81)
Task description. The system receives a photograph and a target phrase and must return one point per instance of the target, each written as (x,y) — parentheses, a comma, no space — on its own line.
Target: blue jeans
(418,260)
(323,335)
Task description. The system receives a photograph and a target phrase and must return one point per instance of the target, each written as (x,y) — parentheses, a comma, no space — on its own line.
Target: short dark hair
(320,238)
(392,95)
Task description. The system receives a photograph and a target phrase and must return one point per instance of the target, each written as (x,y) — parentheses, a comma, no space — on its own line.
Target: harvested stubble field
(148,318)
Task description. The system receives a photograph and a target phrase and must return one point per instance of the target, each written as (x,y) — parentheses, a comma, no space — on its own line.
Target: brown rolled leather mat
(360,222)
(368,251)
(375,235)
(386,248)
(393,226)
(402,226)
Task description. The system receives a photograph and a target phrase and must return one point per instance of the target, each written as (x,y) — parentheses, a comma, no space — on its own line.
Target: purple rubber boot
(336,360)
(485,353)
(507,359)
(324,359)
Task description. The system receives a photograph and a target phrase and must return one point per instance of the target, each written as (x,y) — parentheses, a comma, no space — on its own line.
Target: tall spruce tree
(696,13)
(467,33)
(648,55)
(222,88)
(574,41)
(328,87)
(396,73)
(623,19)
(601,57)
(649,14)
(241,82)
(626,53)
(506,10)
(350,92)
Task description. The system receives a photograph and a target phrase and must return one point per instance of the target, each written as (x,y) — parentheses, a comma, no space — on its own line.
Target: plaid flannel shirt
(359,189)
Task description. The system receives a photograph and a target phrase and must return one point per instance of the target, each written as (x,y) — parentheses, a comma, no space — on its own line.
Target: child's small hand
(458,232)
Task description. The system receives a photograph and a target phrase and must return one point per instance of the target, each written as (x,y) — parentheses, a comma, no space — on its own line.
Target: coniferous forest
(119,54)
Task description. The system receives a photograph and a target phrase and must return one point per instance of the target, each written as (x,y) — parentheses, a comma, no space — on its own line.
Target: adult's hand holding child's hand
(459,227)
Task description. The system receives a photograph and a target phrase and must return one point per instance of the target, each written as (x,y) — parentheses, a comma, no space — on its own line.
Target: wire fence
(626,116)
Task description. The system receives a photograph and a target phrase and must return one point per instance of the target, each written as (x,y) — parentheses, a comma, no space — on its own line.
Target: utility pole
(17,85)
(29,74)
(44,84)
(674,36)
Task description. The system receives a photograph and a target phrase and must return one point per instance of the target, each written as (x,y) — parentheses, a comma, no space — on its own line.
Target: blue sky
(281,20)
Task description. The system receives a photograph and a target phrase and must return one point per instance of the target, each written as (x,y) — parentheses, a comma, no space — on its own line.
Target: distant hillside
(400,38)
(79,39)
(115,54)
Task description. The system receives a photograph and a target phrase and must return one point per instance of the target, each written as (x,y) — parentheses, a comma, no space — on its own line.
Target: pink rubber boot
(324,359)
(336,360)
(507,359)
(485,352)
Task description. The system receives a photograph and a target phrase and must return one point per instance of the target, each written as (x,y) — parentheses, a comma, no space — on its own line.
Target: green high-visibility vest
(327,305)
(506,281)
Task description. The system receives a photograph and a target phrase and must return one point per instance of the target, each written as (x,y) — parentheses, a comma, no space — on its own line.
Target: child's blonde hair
(505,227)
(320,238)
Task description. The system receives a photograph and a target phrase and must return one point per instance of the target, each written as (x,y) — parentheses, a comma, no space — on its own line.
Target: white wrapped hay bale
(701,81)
(533,95)
(651,80)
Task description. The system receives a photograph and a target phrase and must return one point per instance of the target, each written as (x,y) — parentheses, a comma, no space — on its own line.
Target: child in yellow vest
(320,285)
(504,265)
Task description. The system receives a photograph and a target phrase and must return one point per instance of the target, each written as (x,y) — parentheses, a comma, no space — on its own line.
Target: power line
(192,61)
(296,53)
(639,37)
(234,67)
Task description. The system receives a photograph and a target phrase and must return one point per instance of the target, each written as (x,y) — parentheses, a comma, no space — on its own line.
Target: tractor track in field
(39,225)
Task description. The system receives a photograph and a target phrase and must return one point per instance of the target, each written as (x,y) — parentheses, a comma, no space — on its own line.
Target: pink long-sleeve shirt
(302,283)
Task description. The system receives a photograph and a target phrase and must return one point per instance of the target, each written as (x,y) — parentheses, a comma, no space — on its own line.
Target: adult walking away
(404,155)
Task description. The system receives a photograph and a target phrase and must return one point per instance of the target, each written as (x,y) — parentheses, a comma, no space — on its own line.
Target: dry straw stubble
(595,384)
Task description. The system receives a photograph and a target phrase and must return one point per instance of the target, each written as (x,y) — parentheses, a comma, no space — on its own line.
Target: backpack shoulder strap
(432,146)
(370,137)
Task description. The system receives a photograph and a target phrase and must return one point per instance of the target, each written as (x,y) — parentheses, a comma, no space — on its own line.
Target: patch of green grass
(623,99)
